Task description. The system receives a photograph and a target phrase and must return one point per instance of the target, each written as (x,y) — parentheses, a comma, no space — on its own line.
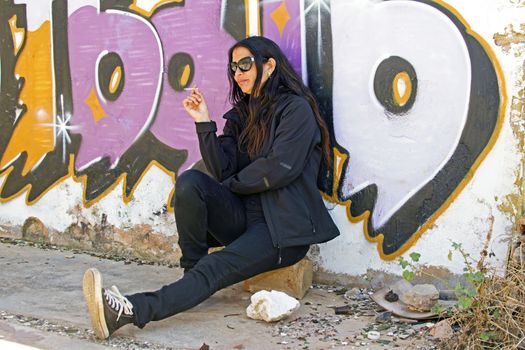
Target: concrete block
(294,280)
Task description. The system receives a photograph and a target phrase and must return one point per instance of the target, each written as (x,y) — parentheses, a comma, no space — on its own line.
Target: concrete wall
(425,101)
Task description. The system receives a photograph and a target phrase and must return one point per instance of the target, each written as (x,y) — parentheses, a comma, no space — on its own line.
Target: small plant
(409,267)
(467,293)
(490,311)
(464,293)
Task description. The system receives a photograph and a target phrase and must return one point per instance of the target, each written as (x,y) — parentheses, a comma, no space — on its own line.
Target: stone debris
(271,306)
(307,331)
(302,332)
(384,317)
(120,342)
(442,330)
(373,335)
(422,297)
(313,325)
(401,287)
(355,294)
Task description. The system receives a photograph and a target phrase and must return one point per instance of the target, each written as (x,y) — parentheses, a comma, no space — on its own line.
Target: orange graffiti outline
(155,7)
(430,221)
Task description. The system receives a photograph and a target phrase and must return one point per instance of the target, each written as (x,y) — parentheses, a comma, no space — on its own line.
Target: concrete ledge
(294,280)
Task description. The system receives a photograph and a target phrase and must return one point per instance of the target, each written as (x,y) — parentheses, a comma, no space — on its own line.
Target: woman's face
(246,79)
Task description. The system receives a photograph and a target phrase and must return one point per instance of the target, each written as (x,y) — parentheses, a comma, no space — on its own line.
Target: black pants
(207,215)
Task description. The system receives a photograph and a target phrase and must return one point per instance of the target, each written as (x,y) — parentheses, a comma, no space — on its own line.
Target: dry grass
(496,319)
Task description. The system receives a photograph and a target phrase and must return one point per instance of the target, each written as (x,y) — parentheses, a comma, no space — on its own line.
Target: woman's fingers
(195,102)
(188,103)
(197,93)
(195,105)
(192,99)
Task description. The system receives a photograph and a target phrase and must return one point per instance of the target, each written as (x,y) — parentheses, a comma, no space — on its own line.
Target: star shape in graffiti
(320,5)
(62,129)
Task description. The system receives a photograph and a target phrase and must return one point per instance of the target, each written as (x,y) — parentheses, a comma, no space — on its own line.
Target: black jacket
(285,175)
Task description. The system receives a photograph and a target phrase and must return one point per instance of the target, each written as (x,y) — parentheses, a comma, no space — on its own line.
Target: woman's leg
(252,253)
(207,214)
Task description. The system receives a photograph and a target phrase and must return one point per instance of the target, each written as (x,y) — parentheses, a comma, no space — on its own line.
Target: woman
(263,204)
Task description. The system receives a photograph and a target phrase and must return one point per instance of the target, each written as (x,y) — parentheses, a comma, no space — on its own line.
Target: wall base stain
(136,242)
(377,279)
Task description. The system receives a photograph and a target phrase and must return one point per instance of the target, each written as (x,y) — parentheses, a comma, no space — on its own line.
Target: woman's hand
(196,106)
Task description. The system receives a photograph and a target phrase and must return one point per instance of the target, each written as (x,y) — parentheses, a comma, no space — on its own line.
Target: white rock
(271,306)
(373,335)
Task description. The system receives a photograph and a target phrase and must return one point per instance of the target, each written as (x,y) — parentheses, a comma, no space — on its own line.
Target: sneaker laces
(118,302)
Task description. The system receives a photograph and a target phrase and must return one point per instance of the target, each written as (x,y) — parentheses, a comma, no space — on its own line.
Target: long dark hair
(258,109)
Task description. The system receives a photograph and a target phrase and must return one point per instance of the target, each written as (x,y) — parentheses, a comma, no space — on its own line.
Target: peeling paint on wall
(512,40)
(512,43)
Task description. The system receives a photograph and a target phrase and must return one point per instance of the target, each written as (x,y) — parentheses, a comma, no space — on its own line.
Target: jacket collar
(232,115)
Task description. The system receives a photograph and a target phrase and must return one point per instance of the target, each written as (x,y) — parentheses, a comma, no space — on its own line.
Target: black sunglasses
(244,64)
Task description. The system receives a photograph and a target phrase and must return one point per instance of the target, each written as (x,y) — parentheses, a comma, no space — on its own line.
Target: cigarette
(189,89)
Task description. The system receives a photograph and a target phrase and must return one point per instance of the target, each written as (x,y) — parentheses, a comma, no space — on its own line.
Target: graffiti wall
(413,92)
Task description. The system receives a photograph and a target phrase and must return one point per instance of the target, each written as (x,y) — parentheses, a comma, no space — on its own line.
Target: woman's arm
(218,153)
(295,136)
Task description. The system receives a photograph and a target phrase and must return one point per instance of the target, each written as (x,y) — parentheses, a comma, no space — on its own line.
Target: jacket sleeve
(296,134)
(218,153)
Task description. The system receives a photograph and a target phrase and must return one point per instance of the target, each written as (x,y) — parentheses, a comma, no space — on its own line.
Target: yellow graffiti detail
(401,98)
(257,6)
(147,13)
(33,133)
(281,17)
(247,17)
(185,75)
(379,238)
(114,82)
(18,35)
(94,105)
